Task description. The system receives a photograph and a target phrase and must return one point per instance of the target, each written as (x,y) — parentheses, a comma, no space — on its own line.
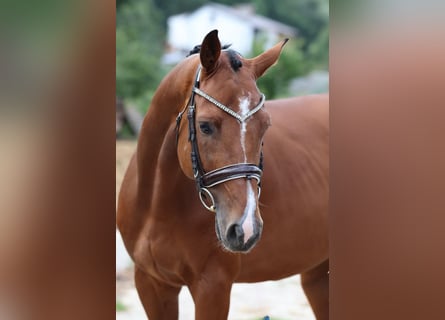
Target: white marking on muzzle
(249,213)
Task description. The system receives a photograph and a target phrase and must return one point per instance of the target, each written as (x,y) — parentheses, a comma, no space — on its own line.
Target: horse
(264,223)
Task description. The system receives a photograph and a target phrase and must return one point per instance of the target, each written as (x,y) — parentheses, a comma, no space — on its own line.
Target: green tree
(172,7)
(318,50)
(119,3)
(308,16)
(139,46)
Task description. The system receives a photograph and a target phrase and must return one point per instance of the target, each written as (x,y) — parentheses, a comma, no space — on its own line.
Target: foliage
(172,7)
(318,50)
(120,306)
(141,102)
(139,46)
(307,16)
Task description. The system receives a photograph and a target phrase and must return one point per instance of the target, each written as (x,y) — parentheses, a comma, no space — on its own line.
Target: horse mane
(235,62)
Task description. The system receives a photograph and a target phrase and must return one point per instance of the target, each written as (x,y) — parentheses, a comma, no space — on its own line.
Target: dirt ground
(124,152)
(281,300)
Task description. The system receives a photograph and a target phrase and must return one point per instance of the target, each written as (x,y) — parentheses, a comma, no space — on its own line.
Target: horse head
(222,150)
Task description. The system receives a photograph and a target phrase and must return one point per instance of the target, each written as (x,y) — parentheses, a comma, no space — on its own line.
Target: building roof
(245,12)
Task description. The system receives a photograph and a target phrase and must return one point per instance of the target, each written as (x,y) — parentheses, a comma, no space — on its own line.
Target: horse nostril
(235,235)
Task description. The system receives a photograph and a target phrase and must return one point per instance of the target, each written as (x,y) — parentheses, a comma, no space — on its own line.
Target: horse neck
(169,99)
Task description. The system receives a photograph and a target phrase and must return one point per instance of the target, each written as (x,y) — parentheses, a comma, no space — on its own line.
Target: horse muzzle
(240,235)
(235,239)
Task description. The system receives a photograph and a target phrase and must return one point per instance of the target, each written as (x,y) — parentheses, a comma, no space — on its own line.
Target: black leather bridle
(205,180)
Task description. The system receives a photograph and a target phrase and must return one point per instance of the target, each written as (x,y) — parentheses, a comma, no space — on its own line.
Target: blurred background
(154,35)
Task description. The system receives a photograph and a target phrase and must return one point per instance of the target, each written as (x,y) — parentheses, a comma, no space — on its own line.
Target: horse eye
(205,128)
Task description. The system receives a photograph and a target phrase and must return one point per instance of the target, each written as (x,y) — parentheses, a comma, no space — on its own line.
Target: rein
(205,180)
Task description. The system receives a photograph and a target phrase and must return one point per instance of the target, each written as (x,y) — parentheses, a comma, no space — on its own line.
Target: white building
(238,26)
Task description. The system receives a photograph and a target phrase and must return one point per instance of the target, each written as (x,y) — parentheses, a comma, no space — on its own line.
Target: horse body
(171,237)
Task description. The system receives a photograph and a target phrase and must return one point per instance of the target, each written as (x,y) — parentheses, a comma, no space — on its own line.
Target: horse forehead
(234,59)
(236,96)
(234,65)
(243,102)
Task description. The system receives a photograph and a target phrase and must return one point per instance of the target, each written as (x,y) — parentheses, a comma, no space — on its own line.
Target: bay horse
(212,160)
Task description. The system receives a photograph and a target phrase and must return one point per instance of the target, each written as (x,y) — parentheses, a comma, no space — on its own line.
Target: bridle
(205,180)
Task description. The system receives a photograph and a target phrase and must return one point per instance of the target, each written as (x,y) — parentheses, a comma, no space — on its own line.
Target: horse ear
(210,51)
(267,59)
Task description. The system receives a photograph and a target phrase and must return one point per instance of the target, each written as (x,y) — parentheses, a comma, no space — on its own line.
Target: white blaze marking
(244,104)
(249,213)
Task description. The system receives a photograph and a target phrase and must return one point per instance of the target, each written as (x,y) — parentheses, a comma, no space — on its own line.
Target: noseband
(205,180)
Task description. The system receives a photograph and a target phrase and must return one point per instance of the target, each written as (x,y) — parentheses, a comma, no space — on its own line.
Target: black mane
(235,62)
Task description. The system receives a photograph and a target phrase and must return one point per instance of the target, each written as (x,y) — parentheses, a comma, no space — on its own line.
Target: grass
(120,306)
